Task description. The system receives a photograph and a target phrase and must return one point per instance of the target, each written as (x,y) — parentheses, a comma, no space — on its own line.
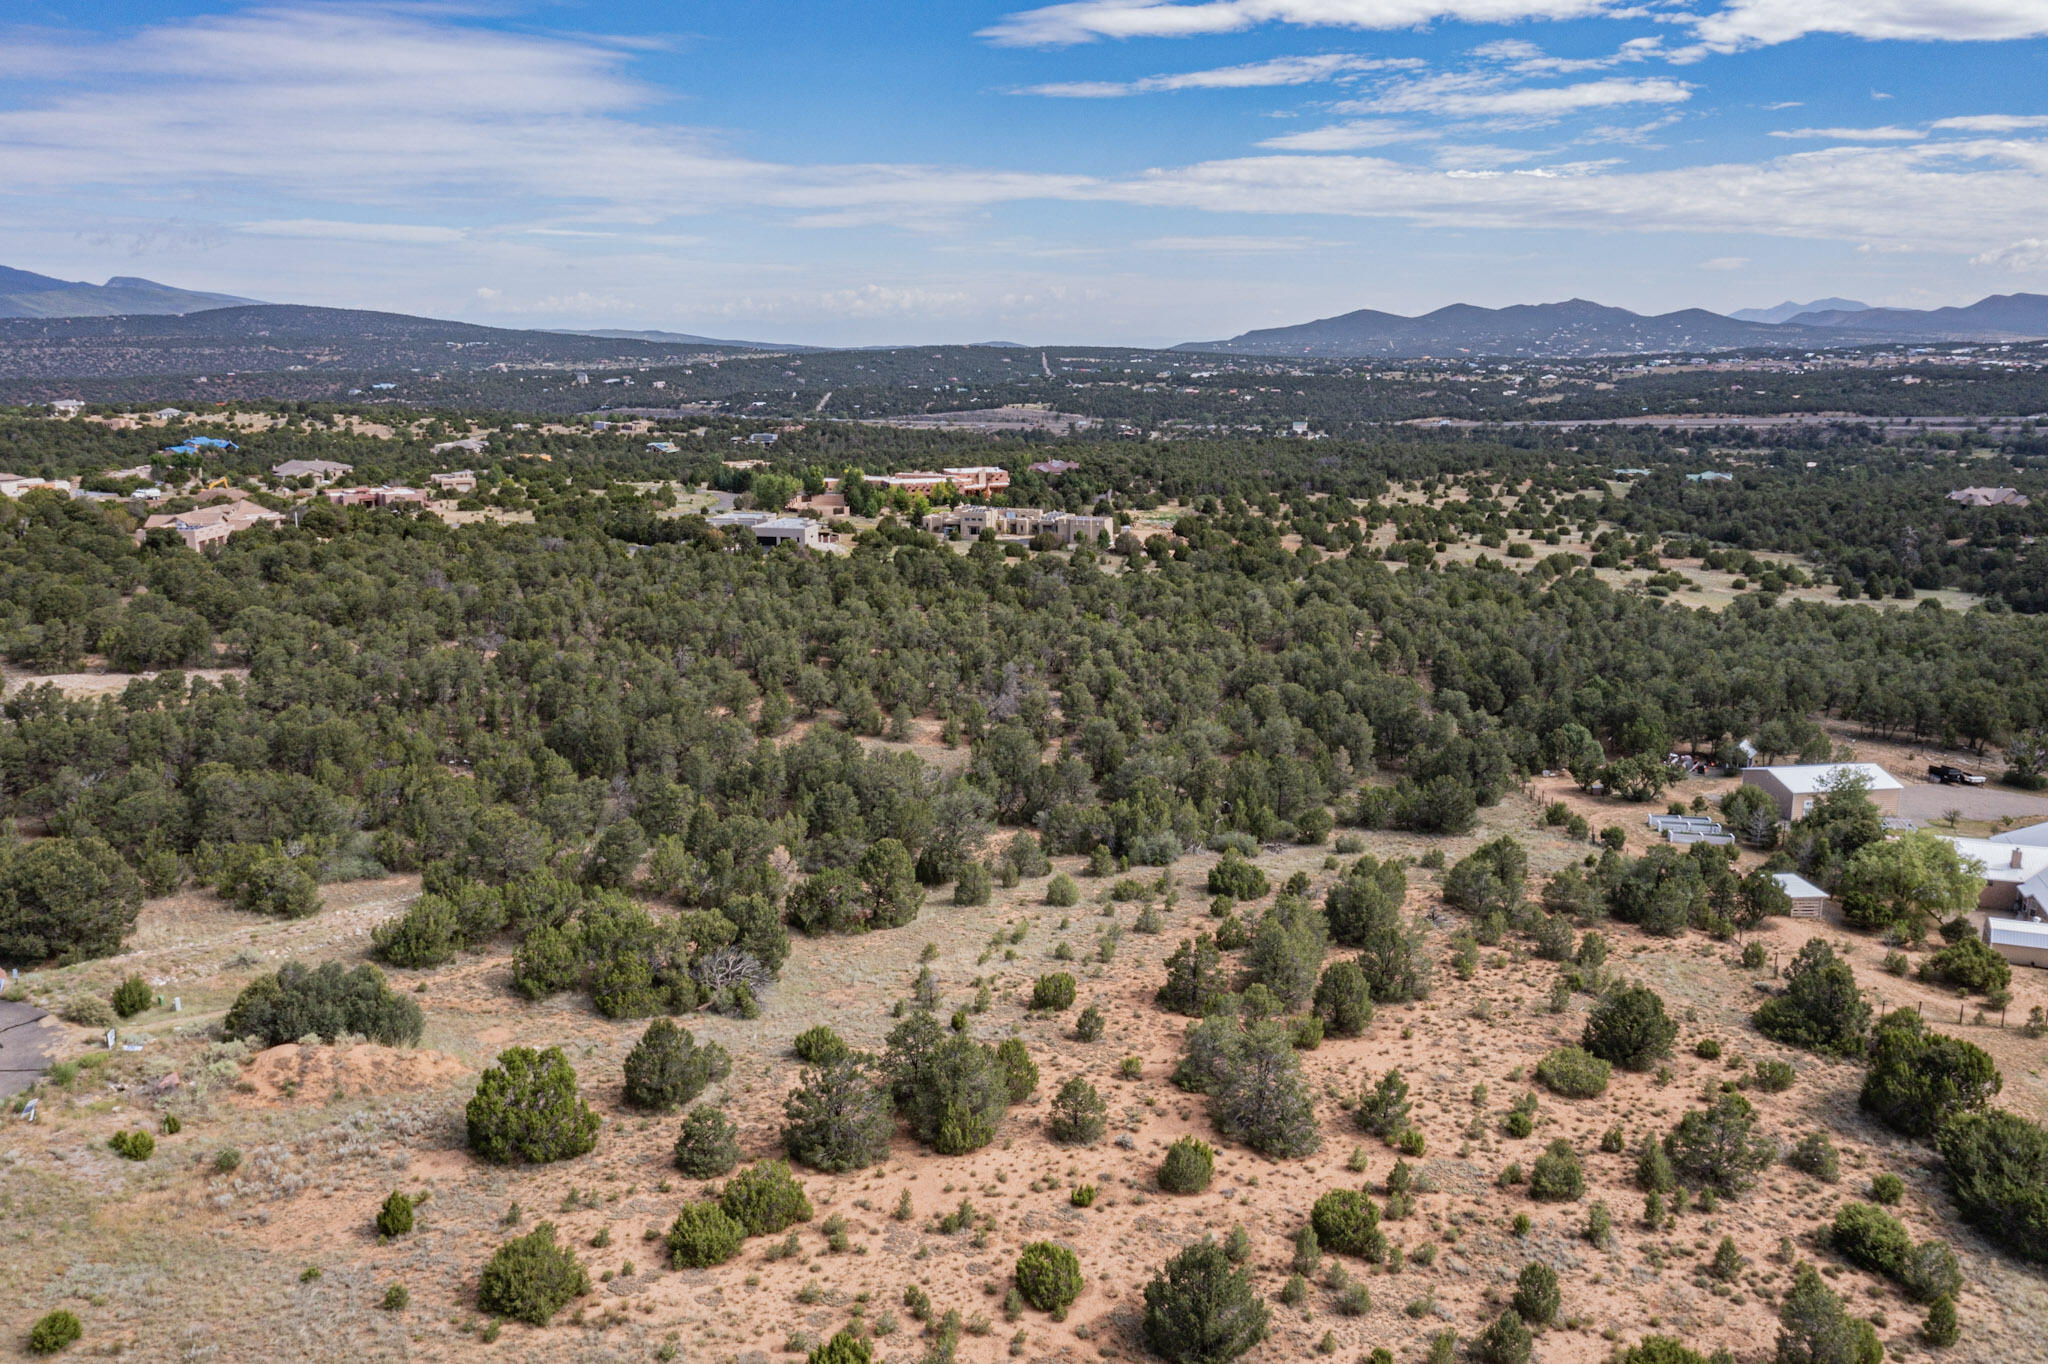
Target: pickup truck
(1953,776)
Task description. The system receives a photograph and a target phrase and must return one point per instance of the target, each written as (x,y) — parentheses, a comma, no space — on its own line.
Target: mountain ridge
(668,338)
(1786,311)
(1579,327)
(23,293)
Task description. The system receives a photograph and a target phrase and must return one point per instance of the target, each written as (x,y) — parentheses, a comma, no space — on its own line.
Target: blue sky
(1114,171)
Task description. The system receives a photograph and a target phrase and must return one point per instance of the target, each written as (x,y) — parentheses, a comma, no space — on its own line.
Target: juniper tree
(1262,1100)
(839,1117)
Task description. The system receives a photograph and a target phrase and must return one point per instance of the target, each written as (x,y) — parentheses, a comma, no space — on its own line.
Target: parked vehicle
(1949,775)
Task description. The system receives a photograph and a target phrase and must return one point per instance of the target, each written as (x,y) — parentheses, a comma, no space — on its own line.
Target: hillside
(25,294)
(272,337)
(1572,328)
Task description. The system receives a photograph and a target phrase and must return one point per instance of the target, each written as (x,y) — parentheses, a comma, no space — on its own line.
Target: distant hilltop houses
(976,480)
(1990,497)
(205,526)
(321,471)
(980,522)
(199,445)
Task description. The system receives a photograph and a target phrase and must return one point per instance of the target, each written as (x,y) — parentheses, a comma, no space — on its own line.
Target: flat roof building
(777,530)
(1795,787)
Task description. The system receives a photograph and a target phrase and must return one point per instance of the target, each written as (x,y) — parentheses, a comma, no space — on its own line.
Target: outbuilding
(2023,942)
(1796,787)
(1808,900)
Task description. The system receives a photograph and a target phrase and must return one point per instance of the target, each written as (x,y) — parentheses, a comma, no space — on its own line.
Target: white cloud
(1352,136)
(1992,123)
(1725,263)
(321,230)
(1087,21)
(416,158)
(1628,134)
(1734,25)
(1944,197)
(1279,71)
(2029,253)
(1853,134)
(1525,58)
(1465,156)
(388,110)
(1462,95)
(1755,23)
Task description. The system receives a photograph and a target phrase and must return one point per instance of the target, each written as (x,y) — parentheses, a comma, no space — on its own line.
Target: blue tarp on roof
(192,445)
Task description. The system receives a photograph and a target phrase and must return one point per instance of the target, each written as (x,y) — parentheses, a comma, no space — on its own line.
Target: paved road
(29,1039)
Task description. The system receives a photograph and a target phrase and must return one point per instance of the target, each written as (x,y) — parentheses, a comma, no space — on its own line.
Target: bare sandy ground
(171,1260)
(99,683)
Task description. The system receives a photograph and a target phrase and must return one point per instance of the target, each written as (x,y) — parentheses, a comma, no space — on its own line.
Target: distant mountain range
(685,339)
(1579,328)
(131,327)
(1785,312)
(2001,317)
(23,294)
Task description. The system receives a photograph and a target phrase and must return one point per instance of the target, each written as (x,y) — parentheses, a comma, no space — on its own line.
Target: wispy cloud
(1087,21)
(1481,156)
(1733,26)
(1279,71)
(1526,58)
(1757,23)
(1351,136)
(1932,196)
(1991,123)
(1885,134)
(402,113)
(316,229)
(1472,95)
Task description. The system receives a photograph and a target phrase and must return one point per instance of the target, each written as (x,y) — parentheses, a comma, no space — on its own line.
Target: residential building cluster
(386,495)
(2012,907)
(976,521)
(977,480)
(209,525)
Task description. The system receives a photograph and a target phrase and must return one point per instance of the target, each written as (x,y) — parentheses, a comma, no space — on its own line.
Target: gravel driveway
(1927,802)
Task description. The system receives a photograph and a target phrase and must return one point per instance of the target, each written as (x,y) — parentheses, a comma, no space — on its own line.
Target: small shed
(2023,942)
(1808,900)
